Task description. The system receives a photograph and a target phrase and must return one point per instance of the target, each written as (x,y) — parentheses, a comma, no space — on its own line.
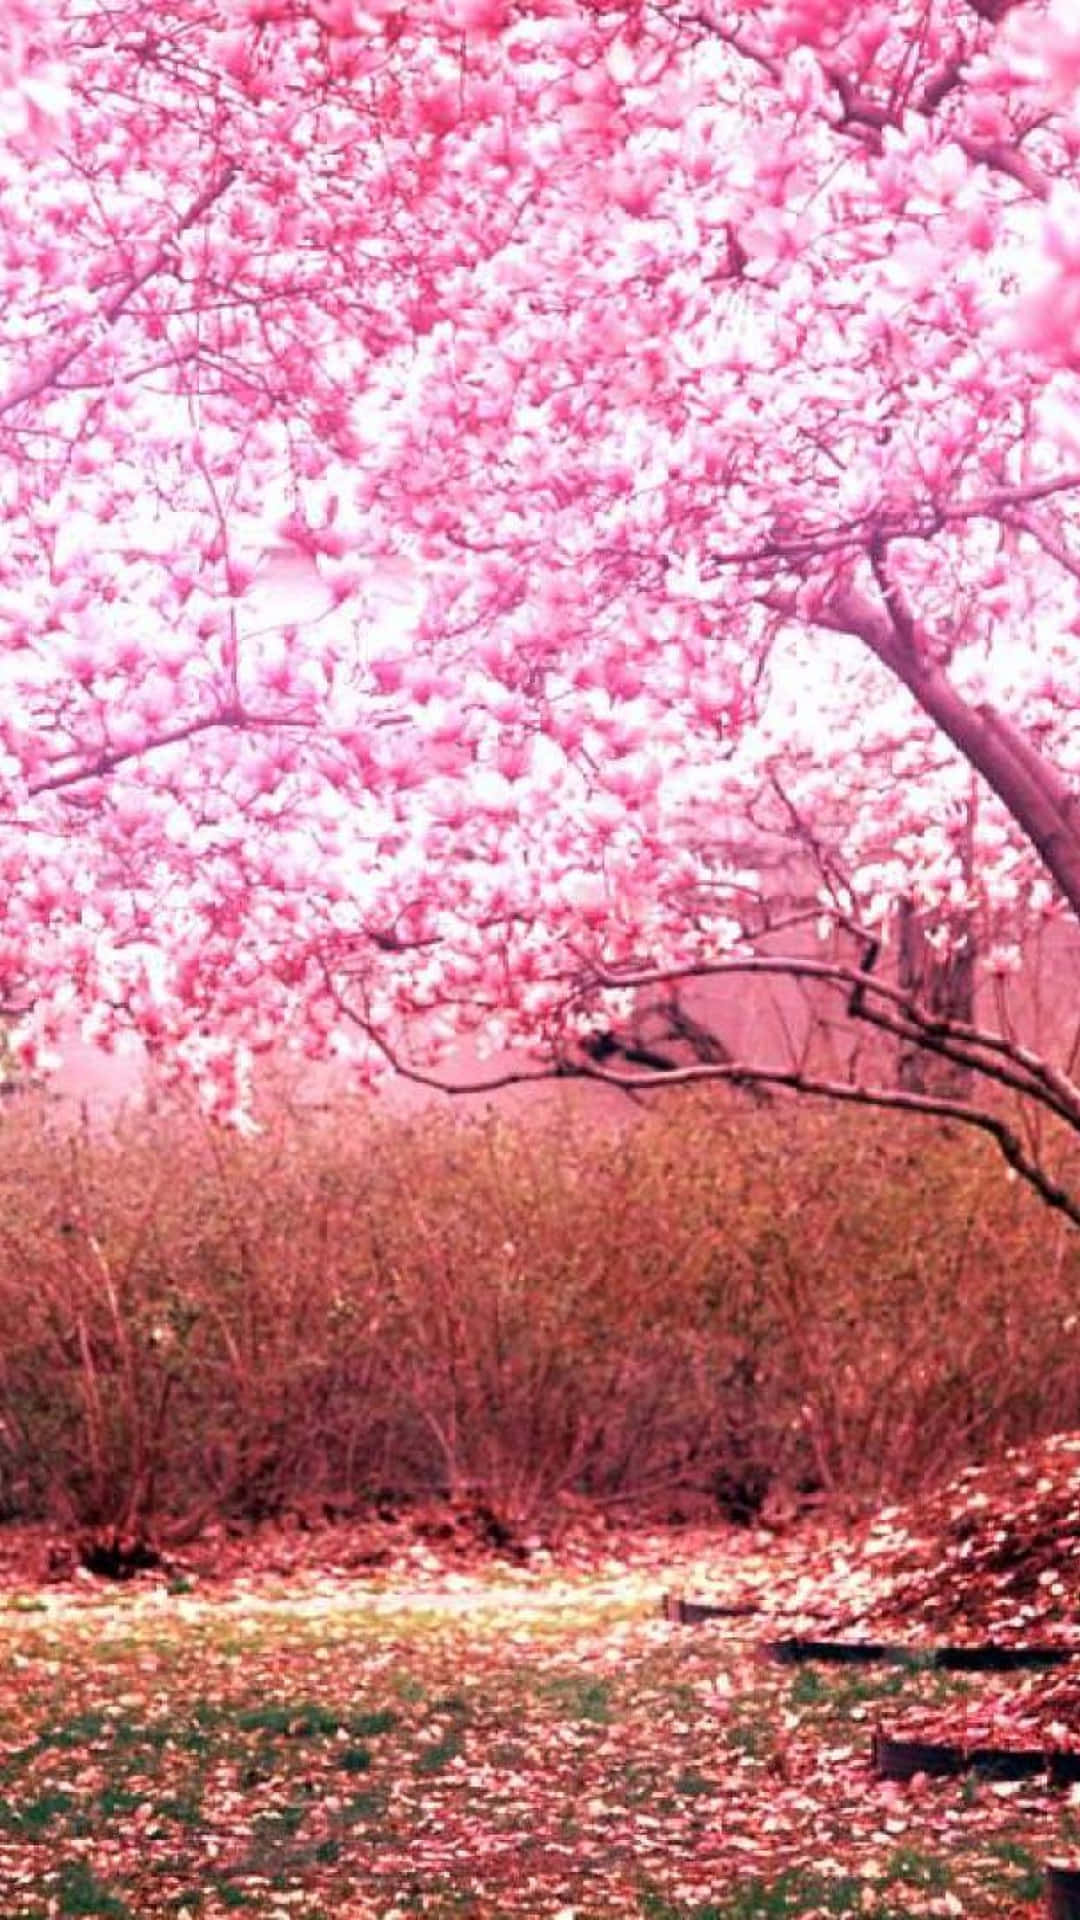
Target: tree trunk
(942,980)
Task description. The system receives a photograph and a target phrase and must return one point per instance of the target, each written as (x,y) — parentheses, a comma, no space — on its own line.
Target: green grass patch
(1021,1874)
(581,1699)
(233,1898)
(694,1784)
(79,1891)
(912,1866)
(115,1803)
(368,1726)
(751,1733)
(283,1822)
(186,1810)
(38,1815)
(303,1721)
(81,1730)
(789,1896)
(410,1691)
(854,1690)
(440,1754)
(364,1807)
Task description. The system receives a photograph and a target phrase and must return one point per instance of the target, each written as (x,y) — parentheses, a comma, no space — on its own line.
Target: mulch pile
(995,1554)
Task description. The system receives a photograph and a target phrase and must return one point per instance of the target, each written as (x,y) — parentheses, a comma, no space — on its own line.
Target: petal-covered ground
(307,1726)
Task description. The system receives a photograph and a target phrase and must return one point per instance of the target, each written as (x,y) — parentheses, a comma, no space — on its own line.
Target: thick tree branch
(109,759)
(1040,802)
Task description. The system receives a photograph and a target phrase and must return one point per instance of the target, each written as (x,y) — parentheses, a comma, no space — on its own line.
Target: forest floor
(383,1720)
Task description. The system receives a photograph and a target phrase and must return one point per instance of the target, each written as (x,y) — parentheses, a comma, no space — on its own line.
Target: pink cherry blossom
(458,459)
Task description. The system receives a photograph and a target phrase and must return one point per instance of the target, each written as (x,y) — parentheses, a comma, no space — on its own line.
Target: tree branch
(993,1055)
(932,1106)
(1027,785)
(50,371)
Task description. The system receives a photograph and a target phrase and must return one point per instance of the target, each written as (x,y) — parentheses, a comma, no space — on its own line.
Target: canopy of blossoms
(456,457)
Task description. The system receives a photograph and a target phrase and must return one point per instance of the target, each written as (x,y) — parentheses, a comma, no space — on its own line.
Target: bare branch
(992,1054)
(894,1099)
(1050,542)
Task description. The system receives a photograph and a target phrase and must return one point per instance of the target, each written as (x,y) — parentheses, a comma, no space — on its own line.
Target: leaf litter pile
(327,1727)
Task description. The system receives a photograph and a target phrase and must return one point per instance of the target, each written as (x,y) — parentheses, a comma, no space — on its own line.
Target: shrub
(712,1303)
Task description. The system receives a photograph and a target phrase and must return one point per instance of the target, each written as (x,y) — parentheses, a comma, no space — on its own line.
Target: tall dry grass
(715,1307)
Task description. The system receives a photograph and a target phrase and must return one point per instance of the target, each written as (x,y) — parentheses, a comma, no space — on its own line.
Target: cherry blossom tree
(464,460)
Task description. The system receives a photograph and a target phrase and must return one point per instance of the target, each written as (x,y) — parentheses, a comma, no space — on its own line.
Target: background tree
(452,454)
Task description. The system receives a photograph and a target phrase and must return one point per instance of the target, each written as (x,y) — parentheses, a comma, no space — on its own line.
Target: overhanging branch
(997,1059)
(929,1106)
(993,1055)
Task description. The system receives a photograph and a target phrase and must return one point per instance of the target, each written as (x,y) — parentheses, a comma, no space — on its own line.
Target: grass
(860,1693)
(1021,1875)
(912,1866)
(790,1894)
(77,1890)
(581,1699)
(690,1781)
(440,1754)
(815,1303)
(37,1815)
(507,1764)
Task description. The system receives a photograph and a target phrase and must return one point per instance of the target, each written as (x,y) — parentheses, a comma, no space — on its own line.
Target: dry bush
(916,1300)
(190,1324)
(713,1304)
(536,1312)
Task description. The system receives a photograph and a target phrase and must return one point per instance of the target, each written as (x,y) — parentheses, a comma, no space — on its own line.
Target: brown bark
(1029,786)
(943,983)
